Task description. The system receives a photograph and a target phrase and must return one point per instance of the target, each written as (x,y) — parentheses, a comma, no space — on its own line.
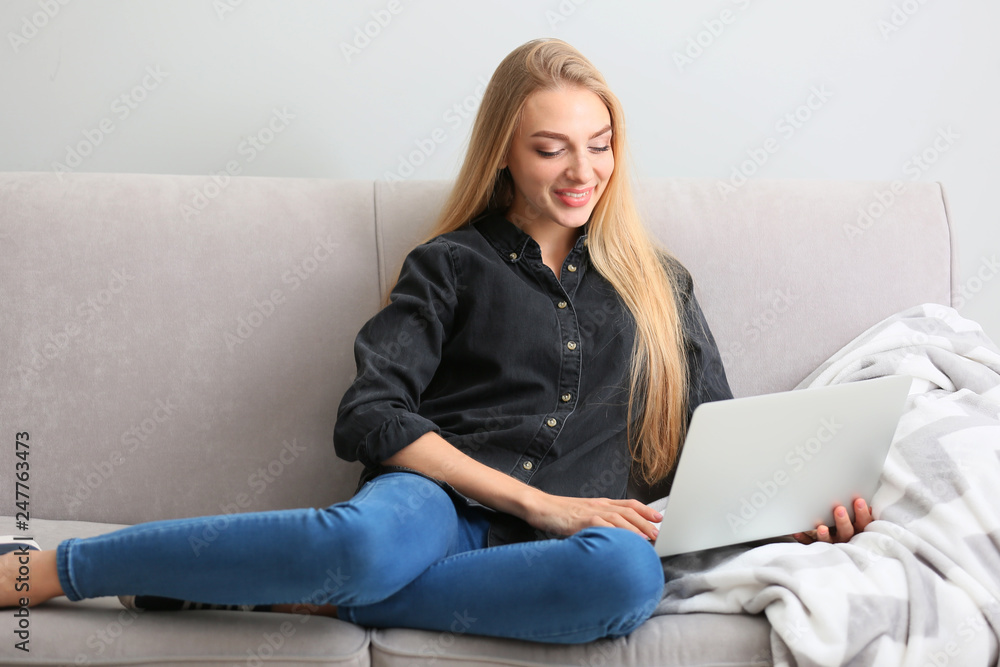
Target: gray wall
(283,88)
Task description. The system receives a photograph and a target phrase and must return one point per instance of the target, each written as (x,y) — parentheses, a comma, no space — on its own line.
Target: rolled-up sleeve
(397,353)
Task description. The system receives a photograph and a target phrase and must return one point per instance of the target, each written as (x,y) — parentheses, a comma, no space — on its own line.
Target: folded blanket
(921,585)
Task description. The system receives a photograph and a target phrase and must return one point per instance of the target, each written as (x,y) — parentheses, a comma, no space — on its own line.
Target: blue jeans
(401,553)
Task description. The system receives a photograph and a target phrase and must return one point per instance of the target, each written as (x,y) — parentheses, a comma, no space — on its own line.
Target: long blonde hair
(620,248)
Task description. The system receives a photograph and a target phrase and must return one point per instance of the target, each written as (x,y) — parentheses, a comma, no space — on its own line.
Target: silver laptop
(765,466)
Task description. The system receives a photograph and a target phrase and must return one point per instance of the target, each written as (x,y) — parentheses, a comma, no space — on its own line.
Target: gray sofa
(178,345)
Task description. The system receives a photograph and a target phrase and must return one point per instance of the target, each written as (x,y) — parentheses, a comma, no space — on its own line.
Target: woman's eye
(594,149)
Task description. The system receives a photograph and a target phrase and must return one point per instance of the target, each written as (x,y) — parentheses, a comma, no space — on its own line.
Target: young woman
(538,356)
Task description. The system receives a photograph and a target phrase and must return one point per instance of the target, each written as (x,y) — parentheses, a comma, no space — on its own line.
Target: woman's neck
(555,241)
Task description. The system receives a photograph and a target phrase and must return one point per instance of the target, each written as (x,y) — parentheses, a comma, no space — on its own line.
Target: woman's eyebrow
(563,137)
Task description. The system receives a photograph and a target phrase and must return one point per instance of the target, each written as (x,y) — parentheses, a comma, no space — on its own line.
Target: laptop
(766,466)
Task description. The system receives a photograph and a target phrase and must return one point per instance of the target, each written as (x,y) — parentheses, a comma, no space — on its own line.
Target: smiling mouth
(575,197)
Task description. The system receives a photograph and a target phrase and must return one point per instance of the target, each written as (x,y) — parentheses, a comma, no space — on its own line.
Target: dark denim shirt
(523,371)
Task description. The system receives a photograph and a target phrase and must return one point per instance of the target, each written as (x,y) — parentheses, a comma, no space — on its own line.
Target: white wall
(204,78)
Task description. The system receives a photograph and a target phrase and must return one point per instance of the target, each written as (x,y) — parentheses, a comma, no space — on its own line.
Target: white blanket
(920,586)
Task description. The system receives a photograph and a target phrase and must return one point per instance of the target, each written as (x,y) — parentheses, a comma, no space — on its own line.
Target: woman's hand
(563,515)
(559,515)
(843,529)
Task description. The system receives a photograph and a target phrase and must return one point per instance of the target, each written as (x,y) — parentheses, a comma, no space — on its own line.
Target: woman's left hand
(843,529)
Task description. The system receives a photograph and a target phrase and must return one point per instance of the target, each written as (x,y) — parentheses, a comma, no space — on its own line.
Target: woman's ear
(505,160)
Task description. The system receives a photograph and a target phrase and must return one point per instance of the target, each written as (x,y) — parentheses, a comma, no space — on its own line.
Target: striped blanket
(921,585)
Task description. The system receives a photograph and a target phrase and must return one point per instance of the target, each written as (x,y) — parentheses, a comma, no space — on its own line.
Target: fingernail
(841,512)
(657,516)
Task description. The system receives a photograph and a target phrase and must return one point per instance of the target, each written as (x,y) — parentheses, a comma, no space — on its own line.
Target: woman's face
(560,158)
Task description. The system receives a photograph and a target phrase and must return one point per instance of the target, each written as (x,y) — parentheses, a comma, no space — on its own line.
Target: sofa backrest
(178,345)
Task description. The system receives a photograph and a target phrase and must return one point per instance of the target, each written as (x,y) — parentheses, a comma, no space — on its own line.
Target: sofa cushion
(101,632)
(687,640)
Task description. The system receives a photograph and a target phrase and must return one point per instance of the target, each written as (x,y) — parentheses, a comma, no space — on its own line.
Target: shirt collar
(508,239)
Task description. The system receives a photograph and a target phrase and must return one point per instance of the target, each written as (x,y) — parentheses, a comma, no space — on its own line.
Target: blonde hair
(620,248)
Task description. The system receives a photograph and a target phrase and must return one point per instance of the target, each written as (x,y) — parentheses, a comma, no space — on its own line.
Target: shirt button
(562,304)
(513,255)
(571,345)
(527,465)
(571,268)
(565,397)
(551,421)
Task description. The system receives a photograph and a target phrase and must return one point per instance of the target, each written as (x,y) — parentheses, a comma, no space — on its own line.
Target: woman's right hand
(564,515)
(433,456)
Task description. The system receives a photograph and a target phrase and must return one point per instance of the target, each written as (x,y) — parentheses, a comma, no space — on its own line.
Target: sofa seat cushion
(720,640)
(101,632)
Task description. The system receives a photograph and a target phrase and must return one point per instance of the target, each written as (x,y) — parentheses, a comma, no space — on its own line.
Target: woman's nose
(580,169)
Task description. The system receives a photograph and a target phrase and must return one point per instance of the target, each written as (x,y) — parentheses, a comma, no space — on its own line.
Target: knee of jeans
(630,576)
(354,552)
(365,539)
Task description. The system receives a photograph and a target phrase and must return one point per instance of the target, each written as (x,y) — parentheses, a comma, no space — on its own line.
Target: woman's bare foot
(28,575)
